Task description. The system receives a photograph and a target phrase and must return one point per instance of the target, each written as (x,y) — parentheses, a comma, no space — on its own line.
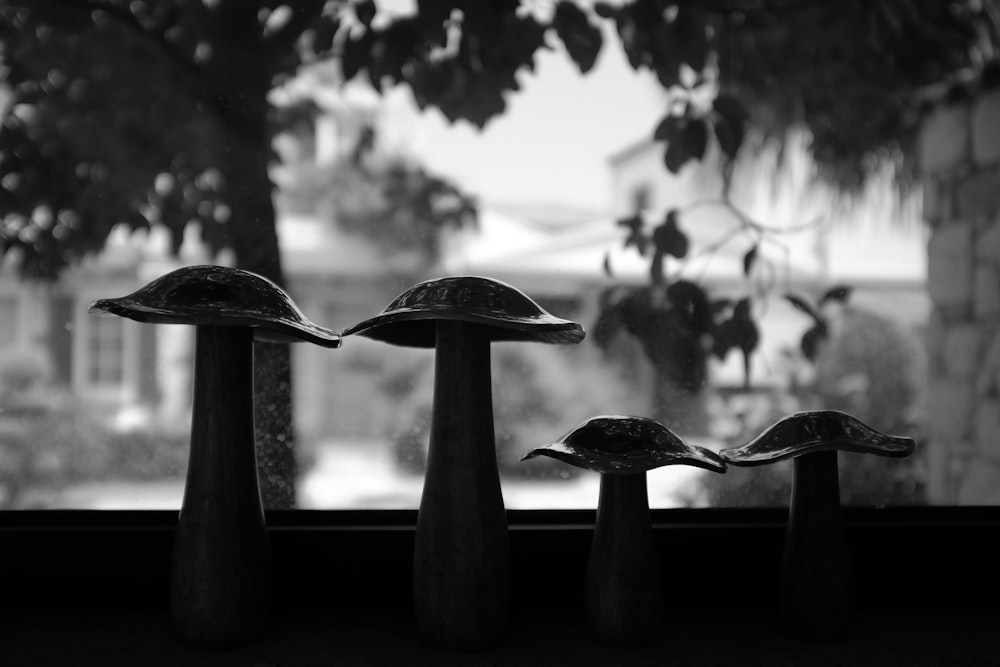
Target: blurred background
(734,255)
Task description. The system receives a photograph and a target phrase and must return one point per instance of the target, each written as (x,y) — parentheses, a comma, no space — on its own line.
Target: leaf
(353,56)
(690,145)
(605,10)
(365,11)
(323,33)
(840,293)
(669,239)
(747,334)
(749,259)
(690,300)
(811,340)
(668,127)
(636,237)
(730,123)
(582,39)
(804,306)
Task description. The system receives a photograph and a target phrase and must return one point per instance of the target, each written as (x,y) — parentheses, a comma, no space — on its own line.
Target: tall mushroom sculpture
(461,564)
(817,588)
(623,597)
(220,575)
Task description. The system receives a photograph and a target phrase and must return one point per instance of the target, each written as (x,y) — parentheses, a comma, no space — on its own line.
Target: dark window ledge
(928,588)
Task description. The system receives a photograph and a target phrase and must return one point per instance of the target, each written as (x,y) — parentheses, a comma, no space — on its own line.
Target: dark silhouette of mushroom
(220,578)
(817,597)
(461,565)
(623,596)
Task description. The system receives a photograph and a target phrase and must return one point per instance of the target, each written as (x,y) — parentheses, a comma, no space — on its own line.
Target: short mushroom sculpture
(461,565)
(220,577)
(623,599)
(817,600)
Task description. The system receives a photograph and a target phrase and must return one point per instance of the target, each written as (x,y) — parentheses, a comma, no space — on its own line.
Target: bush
(872,368)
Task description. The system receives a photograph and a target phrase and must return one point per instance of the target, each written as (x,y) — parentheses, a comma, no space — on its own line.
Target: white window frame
(84,324)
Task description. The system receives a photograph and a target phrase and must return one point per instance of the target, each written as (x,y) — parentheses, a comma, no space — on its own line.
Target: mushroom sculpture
(817,600)
(461,564)
(220,575)
(623,598)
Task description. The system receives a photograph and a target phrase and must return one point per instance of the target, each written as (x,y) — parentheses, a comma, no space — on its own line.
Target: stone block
(986,129)
(936,200)
(943,143)
(951,409)
(963,351)
(987,293)
(934,343)
(950,266)
(978,194)
(988,244)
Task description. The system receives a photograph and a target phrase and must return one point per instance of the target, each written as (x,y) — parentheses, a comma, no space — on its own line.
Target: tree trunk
(255,241)
(243,78)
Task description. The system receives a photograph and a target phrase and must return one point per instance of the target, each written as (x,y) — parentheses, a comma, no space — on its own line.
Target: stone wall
(959,157)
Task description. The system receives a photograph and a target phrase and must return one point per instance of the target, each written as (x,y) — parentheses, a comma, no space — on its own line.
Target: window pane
(832,262)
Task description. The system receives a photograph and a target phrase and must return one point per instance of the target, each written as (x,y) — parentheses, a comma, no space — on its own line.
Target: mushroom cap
(816,431)
(409,320)
(219,296)
(621,444)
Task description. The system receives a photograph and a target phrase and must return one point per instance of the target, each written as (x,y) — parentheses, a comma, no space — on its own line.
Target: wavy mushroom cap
(220,296)
(817,431)
(509,314)
(620,444)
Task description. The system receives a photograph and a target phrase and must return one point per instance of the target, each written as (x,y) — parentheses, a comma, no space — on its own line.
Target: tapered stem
(623,599)
(817,588)
(461,567)
(220,579)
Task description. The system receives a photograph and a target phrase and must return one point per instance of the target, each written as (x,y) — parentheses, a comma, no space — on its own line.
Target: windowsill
(928,589)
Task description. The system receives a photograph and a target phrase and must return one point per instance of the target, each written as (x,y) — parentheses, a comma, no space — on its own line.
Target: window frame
(125,391)
(718,560)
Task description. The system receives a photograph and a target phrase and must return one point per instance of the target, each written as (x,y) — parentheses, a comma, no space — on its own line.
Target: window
(855,301)
(105,353)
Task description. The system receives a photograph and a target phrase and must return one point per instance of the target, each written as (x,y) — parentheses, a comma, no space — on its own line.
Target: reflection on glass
(719,295)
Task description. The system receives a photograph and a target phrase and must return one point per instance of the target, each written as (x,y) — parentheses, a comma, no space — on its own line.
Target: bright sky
(552,144)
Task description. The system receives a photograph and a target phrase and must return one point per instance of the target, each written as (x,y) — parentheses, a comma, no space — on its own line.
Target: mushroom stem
(461,567)
(220,579)
(623,597)
(816,582)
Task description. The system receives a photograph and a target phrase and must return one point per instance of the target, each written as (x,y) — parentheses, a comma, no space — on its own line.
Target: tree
(141,111)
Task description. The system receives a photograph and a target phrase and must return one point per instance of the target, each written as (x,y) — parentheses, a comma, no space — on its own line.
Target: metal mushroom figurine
(817,600)
(461,565)
(220,576)
(623,595)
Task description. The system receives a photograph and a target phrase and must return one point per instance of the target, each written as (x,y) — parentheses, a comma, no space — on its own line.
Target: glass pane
(831,264)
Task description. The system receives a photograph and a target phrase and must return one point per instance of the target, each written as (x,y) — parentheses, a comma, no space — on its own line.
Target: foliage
(398,205)
(866,365)
(140,111)
(820,330)
(675,321)
(109,95)
(48,440)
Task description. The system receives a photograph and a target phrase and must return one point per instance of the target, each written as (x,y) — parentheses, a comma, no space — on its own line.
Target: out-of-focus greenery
(869,366)
(49,439)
